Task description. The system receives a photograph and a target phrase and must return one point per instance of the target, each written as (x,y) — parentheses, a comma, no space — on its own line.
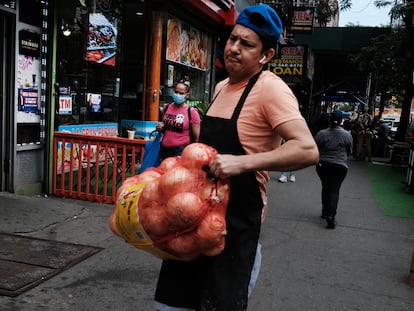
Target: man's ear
(267,56)
(270,53)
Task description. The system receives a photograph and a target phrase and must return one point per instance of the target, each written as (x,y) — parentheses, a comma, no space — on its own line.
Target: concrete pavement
(361,265)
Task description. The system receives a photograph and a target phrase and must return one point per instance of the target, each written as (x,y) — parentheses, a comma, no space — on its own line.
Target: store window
(87,51)
(188,57)
(99,63)
(8,4)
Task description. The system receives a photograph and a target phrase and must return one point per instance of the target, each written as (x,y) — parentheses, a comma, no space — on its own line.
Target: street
(361,265)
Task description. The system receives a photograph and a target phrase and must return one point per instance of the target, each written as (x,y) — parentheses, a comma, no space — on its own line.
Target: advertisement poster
(65,105)
(389,113)
(101,129)
(28,93)
(65,101)
(94,102)
(101,41)
(302,20)
(81,152)
(186,45)
(291,61)
(143,129)
(28,100)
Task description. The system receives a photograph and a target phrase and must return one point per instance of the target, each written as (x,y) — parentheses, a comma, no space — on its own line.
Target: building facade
(88,65)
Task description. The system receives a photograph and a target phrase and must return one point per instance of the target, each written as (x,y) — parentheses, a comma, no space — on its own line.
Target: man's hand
(226,165)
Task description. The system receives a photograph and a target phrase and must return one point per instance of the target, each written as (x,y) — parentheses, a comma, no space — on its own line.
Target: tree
(385,59)
(325,10)
(402,35)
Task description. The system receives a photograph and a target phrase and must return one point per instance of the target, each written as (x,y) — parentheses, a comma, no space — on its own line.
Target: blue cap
(263,20)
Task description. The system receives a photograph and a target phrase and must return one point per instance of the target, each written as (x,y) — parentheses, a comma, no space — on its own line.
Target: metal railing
(92,168)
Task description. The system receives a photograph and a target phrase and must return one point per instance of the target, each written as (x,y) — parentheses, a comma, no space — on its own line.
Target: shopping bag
(152,152)
(176,210)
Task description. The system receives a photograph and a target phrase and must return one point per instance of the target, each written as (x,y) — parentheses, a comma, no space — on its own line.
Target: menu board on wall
(186,45)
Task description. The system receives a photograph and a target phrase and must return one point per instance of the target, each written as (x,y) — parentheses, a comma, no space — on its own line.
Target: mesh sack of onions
(174,211)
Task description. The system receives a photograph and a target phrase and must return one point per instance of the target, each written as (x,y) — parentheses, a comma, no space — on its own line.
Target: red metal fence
(93,167)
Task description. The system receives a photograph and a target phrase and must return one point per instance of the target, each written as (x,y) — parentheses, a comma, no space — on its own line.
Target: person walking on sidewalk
(334,144)
(365,125)
(287,176)
(251,111)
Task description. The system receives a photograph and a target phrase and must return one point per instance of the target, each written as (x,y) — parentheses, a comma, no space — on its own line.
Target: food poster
(28,71)
(82,152)
(186,45)
(101,41)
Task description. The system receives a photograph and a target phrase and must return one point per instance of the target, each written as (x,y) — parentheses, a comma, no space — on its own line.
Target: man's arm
(299,151)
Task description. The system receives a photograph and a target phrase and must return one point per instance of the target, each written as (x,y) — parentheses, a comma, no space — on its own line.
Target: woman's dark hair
(335,118)
(187,83)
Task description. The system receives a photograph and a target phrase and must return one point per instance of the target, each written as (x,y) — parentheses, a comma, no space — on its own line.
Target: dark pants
(331,175)
(170,152)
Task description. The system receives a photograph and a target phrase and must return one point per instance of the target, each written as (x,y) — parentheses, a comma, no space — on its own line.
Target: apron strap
(243,97)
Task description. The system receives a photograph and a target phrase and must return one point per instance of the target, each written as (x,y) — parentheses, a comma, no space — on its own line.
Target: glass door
(6,99)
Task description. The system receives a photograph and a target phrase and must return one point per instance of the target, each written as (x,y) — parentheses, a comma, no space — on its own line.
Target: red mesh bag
(174,211)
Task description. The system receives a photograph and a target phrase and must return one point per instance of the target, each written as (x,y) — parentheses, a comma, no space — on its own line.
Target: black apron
(221,283)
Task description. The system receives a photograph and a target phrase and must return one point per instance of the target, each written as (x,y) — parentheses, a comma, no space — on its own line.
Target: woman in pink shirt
(179,122)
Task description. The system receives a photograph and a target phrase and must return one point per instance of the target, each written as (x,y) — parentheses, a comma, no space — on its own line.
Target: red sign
(65,104)
(302,20)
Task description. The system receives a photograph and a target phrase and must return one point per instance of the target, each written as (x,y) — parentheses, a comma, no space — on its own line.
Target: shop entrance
(6,99)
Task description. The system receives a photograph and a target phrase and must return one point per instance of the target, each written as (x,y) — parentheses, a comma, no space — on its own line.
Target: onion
(216,250)
(183,244)
(154,221)
(184,210)
(128,182)
(197,155)
(211,229)
(169,163)
(149,194)
(113,224)
(178,179)
(149,174)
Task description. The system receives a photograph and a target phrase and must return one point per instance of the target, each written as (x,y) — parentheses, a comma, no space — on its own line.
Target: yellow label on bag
(125,221)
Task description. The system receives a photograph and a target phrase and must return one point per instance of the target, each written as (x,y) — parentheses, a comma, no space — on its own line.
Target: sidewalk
(361,265)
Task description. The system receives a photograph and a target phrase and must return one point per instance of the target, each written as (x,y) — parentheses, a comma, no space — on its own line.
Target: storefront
(91,66)
(120,59)
(22,76)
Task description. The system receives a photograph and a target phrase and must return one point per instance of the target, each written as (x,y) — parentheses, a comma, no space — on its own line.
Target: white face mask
(178,98)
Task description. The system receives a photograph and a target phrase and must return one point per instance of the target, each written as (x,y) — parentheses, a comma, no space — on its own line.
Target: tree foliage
(391,57)
(385,57)
(325,11)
